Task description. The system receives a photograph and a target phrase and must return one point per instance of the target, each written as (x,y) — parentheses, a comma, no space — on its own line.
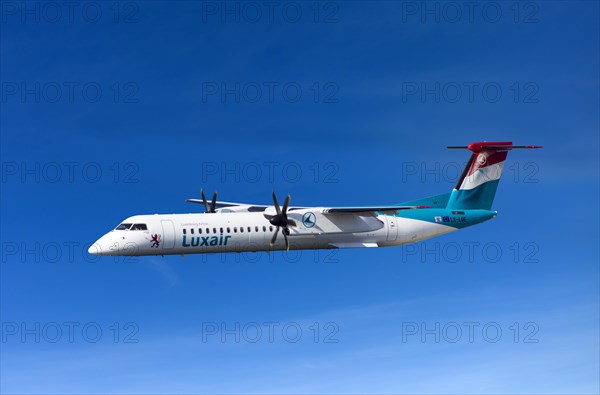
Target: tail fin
(478,182)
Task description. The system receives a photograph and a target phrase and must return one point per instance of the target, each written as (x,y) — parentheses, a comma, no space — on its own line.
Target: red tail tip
(494,145)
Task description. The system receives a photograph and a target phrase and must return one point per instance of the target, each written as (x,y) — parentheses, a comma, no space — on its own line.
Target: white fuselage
(230,231)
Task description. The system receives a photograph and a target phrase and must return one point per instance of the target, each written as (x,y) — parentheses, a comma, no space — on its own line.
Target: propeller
(281,220)
(213,203)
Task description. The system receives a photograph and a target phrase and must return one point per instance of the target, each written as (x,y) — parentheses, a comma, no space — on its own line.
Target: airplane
(242,227)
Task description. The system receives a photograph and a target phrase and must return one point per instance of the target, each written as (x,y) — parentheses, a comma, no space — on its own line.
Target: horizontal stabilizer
(478,147)
(437,201)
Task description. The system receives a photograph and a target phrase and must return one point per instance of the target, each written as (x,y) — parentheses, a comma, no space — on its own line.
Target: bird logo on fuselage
(309,220)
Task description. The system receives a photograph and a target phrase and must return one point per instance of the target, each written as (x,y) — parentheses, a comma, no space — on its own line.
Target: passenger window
(214,230)
(264,228)
(270,228)
(199,231)
(249,229)
(192,230)
(256,228)
(184,231)
(228,230)
(235,229)
(221,229)
(207,230)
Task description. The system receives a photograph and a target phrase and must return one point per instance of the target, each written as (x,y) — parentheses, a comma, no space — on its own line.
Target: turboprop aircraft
(240,227)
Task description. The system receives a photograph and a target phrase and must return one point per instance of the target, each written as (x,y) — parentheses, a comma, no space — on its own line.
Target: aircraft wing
(242,206)
(368,209)
(329,210)
(218,204)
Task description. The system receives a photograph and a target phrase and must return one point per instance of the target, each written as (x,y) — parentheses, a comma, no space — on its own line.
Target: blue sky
(132,110)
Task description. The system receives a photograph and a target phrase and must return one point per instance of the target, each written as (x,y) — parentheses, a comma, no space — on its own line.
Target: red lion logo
(155,241)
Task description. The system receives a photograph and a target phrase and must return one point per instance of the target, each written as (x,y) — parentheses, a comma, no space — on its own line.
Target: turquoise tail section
(480,197)
(477,185)
(470,201)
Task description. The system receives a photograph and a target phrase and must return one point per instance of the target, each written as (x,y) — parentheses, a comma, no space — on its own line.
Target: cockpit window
(123,227)
(139,227)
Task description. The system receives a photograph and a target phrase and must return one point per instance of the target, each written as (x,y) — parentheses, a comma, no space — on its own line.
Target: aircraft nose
(94,249)
(101,247)
(114,245)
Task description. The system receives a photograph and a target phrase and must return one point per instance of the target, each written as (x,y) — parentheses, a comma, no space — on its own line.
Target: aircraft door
(392,227)
(168,241)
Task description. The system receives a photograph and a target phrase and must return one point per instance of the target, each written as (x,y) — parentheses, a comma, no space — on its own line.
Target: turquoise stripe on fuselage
(450,217)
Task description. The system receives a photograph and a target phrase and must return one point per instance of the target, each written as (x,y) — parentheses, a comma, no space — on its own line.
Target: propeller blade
(213,203)
(274,238)
(291,222)
(287,243)
(276,204)
(204,200)
(286,202)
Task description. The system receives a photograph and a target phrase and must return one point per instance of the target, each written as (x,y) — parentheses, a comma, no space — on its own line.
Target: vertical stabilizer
(478,182)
